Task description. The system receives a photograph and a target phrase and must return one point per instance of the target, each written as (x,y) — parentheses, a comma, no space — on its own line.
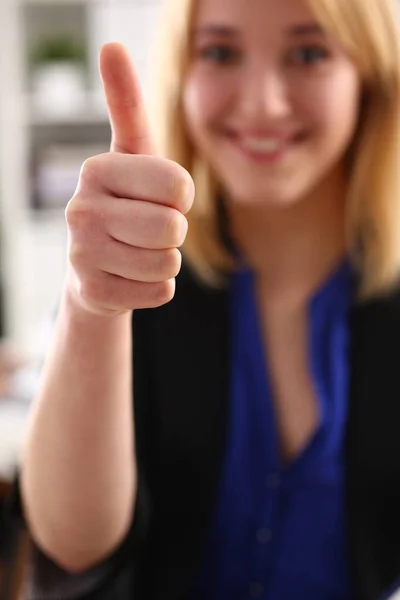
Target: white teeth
(262,145)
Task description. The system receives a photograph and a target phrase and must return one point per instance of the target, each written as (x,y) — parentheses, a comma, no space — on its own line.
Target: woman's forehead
(265,12)
(262,21)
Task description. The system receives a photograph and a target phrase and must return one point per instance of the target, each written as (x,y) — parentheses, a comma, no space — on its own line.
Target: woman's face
(270,98)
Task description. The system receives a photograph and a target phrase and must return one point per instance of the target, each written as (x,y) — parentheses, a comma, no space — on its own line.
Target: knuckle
(90,289)
(178,184)
(76,215)
(183,189)
(78,255)
(164,292)
(70,212)
(175,228)
(85,216)
(171,261)
(89,169)
(92,169)
(184,230)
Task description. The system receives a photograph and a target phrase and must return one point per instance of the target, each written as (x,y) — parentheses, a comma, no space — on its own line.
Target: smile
(265,148)
(266,145)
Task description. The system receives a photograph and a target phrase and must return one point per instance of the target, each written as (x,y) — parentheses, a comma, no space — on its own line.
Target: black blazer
(181,397)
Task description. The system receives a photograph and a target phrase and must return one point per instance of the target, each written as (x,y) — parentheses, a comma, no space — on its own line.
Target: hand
(126,219)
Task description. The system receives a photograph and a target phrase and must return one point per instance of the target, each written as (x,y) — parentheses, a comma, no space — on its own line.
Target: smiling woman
(248,446)
(275,82)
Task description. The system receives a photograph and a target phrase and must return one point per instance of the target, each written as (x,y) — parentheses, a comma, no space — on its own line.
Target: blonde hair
(368,30)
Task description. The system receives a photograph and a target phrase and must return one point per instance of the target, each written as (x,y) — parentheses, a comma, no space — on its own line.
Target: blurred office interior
(52,117)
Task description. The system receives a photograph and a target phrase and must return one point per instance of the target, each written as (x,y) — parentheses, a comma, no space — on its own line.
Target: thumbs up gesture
(126,219)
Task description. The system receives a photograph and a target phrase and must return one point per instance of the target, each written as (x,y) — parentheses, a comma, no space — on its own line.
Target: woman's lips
(264,147)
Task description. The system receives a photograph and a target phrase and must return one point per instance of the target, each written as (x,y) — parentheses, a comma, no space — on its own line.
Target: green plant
(56,49)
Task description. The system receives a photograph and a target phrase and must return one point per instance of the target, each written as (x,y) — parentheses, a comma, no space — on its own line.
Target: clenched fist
(126,219)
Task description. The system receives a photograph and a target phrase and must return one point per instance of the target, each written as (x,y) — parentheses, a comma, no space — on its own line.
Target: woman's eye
(219,54)
(309,55)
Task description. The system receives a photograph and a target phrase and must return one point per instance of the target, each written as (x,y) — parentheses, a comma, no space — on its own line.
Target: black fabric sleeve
(111,579)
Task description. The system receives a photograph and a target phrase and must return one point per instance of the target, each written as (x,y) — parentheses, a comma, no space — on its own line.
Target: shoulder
(381,313)
(375,337)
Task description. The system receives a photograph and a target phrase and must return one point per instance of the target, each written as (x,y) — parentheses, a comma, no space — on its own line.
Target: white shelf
(90,114)
(55,2)
(33,249)
(46,217)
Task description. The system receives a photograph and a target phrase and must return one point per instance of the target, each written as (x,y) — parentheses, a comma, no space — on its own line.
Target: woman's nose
(264,94)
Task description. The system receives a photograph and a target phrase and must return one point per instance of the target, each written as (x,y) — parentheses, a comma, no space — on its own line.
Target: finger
(129,125)
(135,264)
(145,224)
(116,293)
(141,178)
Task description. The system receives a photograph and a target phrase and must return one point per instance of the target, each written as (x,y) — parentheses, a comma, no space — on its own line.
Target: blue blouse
(279,532)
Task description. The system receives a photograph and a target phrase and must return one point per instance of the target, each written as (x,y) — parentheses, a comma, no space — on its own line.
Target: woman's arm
(78,473)
(125,223)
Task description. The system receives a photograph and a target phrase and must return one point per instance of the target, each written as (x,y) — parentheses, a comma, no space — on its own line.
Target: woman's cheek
(206,97)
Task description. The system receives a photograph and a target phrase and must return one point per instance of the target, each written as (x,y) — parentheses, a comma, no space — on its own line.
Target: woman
(261,458)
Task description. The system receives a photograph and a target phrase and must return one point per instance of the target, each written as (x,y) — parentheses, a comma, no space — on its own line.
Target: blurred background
(52,117)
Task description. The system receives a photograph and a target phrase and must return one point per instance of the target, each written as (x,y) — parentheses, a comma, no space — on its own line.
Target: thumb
(127,113)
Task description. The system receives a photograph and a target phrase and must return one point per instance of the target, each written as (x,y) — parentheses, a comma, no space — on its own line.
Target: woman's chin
(269,196)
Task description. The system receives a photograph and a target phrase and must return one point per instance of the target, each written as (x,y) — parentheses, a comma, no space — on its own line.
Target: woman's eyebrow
(298,30)
(214,30)
(311,28)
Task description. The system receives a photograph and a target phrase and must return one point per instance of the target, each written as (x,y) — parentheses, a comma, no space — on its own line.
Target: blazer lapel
(189,389)
(373,448)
